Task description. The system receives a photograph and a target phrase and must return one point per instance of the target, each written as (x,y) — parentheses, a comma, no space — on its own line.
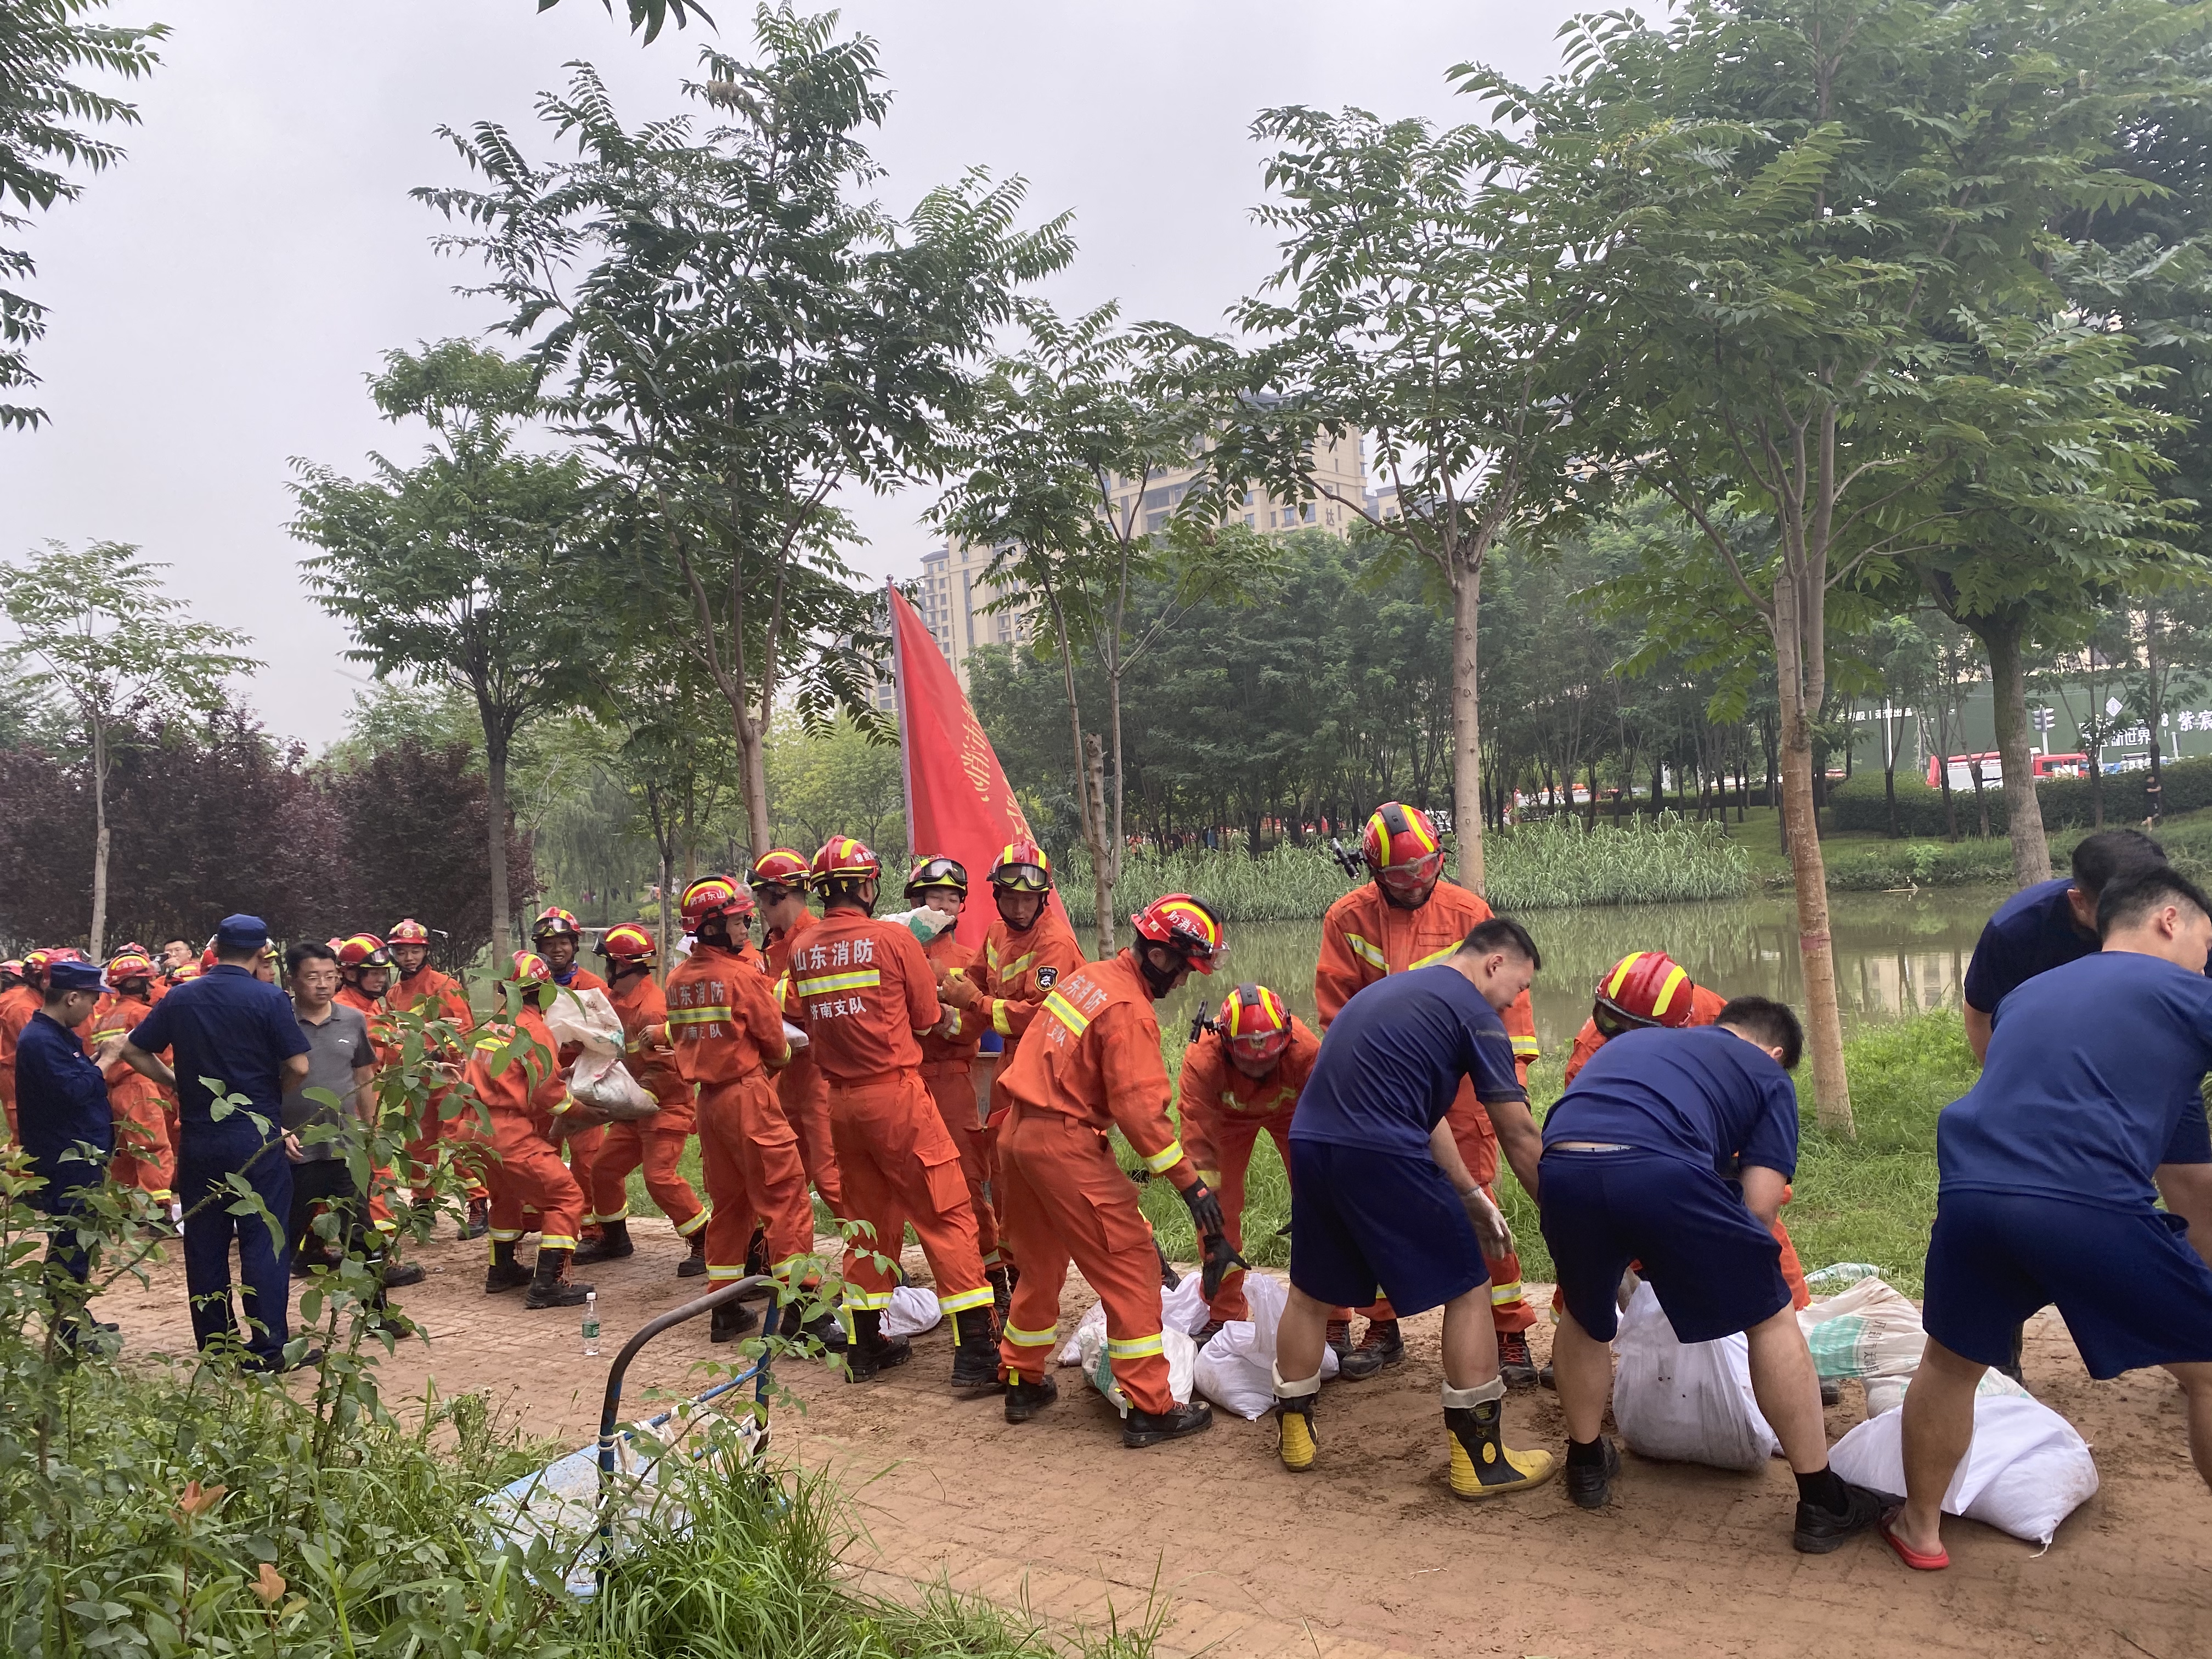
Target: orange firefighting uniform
(947,1068)
(17,1004)
(1704,1008)
(657,1142)
(145,1152)
(727,1030)
(434,995)
(1363,938)
(801,1092)
(580,1148)
(1223,1114)
(1016,973)
(867,990)
(523,1101)
(1091,1063)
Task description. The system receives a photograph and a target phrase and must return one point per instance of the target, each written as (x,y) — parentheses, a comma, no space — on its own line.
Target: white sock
(1305,1389)
(1481,1394)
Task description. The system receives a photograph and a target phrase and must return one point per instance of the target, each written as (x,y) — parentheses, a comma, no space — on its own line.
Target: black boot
(1515,1363)
(1025,1399)
(398,1275)
(612,1244)
(551,1285)
(1145,1429)
(505,1274)
(1002,1292)
(756,1253)
(1352,1364)
(870,1352)
(731,1320)
(479,1221)
(694,1265)
(975,1355)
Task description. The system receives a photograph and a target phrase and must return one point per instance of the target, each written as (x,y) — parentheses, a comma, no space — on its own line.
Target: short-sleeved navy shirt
(1702,1095)
(226,1025)
(2031,932)
(61,1101)
(1392,1061)
(2091,1085)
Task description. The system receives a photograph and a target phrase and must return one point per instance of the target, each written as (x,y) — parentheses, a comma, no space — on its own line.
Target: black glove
(1219,1259)
(1206,1215)
(1170,1279)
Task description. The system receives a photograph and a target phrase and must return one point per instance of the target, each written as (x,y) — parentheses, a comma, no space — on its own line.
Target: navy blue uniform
(1681,1110)
(2046,1167)
(61,1104)
(1369,1206)
(2031,932)
(229,1027)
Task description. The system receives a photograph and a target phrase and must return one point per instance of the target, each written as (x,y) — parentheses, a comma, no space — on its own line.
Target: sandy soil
(1370,1553)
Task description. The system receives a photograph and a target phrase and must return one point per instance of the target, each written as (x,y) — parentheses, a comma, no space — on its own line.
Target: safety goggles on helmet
(1255,1023)
(628,942)
(1023,867)
(780,867)
(363,950)
(715,896)
(1643,988)
(948,875)
(553,923)
(1183,924)
(1402,848)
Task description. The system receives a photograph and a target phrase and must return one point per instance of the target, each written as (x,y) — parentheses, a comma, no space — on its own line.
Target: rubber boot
(975,1355)
(1296,1442)
(505,1274)
(1352,1364)
(1002,1292)
(1482,1465)
(1383,1342)
(870,1352)
(1025,1399)
(479,1221)
(1515,1363)
(694,1265)
(612,1244)
(1149,1429)
(729,1321)
(551,1285)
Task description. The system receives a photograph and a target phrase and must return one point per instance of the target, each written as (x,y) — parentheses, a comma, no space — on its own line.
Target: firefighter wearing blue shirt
(68,1130)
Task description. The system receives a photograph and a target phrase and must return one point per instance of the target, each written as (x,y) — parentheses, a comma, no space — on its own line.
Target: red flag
(959,805)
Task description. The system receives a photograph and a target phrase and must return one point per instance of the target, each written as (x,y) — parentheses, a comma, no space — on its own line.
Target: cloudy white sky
(218,299)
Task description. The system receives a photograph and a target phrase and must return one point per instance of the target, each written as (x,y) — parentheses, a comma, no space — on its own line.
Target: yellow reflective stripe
(727,1274)
(1524,1048)
(684,1229)
(622,1214)
(706,1013)
(782,1269)
(980,1297)
(858,979)
(1675,981)
(1017,967)
(1160,1162)
(1501,1295)
(1022,1339)
(1136,1347)
(1000,1023)
(1621,974)
(1435,957)
(556,1242)
(1366,952)
(1067,1012)
(100,1036)
(866,1301)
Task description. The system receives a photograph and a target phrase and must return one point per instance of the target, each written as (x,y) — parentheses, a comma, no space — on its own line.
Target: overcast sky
(217,299)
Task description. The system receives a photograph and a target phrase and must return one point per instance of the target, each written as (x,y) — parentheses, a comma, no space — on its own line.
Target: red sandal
(1905,1553)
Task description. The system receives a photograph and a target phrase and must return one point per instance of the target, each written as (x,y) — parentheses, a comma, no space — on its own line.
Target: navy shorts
(1361,1219)
(1716,1271)
(2131,1290)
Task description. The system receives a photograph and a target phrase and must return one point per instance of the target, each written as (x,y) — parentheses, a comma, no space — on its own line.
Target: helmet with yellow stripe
(1022,865)
(527,968)
(715,896)
(779,867)
(360,950)
(131,963)
(630,943)
(1255,1023)
(941,874)
(844,859)
(1643,988)
(554,922)
(1185,926)
(1404,850)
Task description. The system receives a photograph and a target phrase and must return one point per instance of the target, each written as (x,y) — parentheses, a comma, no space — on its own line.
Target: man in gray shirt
(342,1061)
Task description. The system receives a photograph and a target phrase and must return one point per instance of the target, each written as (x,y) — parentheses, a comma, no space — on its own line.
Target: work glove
(1491,1231)
(1220,1257)
(958,991)
(1170,1279)
(1206,1217)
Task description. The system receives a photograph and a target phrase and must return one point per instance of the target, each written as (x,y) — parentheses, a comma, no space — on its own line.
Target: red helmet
(554,922)
(780,867)
(528,968)
(363,950)
(1022,866)
(35,962)
(207,957)
(949,875)
(714,896)
(844,859)
(1403,848)
(1255,1023)
(131,961)
(12,969)
(629,941)
(408,930)
(1645,987)
(1181,923)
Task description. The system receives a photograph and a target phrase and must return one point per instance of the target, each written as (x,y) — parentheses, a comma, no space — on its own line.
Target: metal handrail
(721,1294)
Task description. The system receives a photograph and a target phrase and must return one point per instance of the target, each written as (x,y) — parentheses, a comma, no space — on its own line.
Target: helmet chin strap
(1159,981)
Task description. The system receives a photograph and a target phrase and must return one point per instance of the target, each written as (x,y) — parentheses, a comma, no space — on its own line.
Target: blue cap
(241,933)
(66,975)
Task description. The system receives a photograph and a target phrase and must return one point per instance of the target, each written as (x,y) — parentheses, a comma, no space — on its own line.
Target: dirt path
(1371,1553)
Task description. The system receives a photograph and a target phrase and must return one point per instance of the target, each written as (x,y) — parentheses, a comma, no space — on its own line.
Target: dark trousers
(69,1271)
(328,1182)
(265,1265)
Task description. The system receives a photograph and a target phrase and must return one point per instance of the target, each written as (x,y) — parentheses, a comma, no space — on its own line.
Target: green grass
(1868,1199)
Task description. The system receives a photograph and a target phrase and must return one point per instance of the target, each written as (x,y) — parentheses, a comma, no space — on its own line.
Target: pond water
(1895,953)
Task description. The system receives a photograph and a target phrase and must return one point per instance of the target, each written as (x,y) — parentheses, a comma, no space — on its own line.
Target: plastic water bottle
(591,1321)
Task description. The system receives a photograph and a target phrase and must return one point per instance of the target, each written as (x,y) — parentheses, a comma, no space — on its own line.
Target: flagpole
(899,686)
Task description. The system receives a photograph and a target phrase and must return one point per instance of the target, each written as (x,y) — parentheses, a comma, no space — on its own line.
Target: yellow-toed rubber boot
(1296,1442)
(1482,1464)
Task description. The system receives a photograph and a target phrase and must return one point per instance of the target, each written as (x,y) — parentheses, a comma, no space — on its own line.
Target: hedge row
(2066,805)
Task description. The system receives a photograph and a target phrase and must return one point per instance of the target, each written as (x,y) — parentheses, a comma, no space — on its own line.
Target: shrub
(1858,805)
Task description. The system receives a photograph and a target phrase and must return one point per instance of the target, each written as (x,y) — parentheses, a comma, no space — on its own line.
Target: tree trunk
(1824,1020)
(1466,726)
(1094,790)
(100,840)
(502,922)
(2031,850)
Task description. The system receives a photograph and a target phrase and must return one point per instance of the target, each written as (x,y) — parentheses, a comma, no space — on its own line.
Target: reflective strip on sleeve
(684,1229)
(1502,1296)
(1366,952)
(706,1014)
(555,1242)
(1022,1339)
(1524,1047)
(1017,967)
(1067,1012)
(1137,1347)
(858,979)
(1159,1162)
(1000,1023)
(1436,956)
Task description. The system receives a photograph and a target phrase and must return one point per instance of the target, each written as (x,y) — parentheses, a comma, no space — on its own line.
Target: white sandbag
(1184,1308)
(1236,1370)
(2027,1471)
(607,1085)
(1181,1353)
(913,1310)
(1092,1325)
(1868,1331)
(586,1017)
(1686,1402)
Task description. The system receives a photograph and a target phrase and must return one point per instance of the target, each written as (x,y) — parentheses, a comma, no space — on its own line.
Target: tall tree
(651,15)
(94,631)
(741,335)
(478,569)
(43,42)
